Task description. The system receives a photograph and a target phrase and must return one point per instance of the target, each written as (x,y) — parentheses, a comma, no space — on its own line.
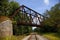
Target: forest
(51,26)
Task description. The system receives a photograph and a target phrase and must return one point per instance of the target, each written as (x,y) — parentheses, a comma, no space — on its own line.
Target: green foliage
(53,17)
(4,6)
(37,30)
(13,7)
(51,36)
(52,23)
(7,8)
(20,30)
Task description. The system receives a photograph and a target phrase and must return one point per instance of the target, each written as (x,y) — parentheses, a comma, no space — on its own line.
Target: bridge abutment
(5,27)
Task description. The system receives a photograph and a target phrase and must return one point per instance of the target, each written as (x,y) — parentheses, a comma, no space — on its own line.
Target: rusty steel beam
(22,7)
(32,10)
(28,24)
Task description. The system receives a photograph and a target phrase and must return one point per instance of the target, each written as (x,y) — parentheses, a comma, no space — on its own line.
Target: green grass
(51,36)
(13,38)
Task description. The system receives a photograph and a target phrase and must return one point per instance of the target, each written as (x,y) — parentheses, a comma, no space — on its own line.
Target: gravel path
(33,37)
(41,37)
(26,38)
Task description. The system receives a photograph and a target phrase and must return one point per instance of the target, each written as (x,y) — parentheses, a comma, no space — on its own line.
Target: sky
(39,6)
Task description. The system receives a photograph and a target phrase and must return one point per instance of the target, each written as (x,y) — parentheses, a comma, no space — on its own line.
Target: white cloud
(46,2)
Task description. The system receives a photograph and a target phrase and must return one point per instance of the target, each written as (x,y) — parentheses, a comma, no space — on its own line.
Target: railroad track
(35,36)
(32,37)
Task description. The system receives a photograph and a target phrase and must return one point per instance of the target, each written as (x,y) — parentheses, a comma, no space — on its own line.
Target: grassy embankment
(13,38)
(52,36)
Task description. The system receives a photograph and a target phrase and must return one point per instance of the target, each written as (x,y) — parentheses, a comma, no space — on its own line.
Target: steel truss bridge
(28,17)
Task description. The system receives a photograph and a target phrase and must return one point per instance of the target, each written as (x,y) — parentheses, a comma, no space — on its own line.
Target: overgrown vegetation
(51,24)
(51,36)
(20,37)
(7,8)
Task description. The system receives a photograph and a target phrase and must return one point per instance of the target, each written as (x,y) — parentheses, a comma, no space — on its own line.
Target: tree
(18,29)
(54,17)
(13,7)
(4,6)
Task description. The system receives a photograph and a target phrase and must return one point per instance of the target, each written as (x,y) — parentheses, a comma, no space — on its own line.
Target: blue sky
(38,5)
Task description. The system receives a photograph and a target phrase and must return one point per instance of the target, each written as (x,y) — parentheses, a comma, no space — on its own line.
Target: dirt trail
(35,37)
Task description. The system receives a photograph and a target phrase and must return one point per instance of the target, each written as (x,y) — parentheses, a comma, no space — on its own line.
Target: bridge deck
(28,24)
